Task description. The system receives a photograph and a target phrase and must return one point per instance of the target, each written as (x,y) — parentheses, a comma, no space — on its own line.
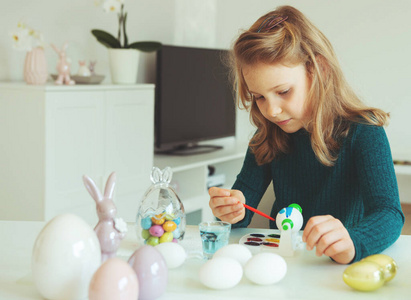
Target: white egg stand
(289,221)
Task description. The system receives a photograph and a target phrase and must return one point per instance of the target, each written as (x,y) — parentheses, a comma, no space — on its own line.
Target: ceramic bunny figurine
(63,66)
(92,67)
(110,230)
(83,70)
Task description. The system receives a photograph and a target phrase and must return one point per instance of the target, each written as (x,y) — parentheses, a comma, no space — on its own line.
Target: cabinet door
(74,147)
(129,146)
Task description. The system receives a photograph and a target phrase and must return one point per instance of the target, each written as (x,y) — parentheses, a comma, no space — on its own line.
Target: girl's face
(280,93)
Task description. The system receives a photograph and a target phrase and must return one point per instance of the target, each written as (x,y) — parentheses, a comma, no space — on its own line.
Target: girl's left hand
(329,236)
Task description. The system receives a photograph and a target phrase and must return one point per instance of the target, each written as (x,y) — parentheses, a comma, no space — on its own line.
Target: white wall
(372,39)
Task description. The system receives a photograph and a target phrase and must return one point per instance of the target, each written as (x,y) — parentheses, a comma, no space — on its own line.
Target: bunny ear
(167,175)
(155,175)
(92,188)
(111,183)
(65,45)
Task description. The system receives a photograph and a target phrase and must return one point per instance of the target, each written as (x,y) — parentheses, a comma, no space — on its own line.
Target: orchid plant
(108,40)
(26,38)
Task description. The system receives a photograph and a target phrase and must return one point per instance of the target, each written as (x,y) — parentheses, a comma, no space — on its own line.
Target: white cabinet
(52,135)
(190,175)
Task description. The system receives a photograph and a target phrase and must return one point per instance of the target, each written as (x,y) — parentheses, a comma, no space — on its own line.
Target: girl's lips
(283,122)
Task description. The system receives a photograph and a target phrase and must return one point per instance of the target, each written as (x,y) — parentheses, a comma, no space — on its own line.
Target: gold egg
(364,276)
(386,262)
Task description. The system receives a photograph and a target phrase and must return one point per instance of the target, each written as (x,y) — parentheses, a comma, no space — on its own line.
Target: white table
(308,276)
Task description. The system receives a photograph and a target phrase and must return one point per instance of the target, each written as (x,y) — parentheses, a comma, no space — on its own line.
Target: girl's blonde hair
(332,102)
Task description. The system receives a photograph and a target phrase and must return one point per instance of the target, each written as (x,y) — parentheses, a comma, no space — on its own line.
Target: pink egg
(115,279)
(156,230)
(151,270)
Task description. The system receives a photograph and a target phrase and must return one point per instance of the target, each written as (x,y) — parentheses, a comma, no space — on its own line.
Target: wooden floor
(406,209)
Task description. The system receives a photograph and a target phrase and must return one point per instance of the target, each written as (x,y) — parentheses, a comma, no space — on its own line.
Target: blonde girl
(316,141)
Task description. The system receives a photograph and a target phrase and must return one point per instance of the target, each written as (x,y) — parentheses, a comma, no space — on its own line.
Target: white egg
(65,256)
(221,273)
(173,253)
(265,268)
(239,252)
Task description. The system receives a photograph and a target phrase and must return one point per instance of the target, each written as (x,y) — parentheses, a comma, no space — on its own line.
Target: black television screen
(194,99)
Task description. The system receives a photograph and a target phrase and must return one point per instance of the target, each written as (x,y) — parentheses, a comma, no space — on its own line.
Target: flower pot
(123,65)
(35,67)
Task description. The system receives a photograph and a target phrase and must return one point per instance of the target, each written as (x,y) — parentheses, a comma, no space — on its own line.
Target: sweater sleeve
(383,219)
(252,181)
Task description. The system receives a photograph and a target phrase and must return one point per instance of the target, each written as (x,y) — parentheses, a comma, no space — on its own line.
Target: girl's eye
(258,97)
(284,92)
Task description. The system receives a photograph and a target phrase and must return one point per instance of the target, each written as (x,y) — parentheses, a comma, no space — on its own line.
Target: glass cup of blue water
(214,235)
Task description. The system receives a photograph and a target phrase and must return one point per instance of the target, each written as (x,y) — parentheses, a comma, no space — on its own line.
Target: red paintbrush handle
(258,212)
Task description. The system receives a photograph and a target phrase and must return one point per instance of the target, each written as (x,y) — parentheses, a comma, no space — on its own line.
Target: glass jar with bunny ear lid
(160,216)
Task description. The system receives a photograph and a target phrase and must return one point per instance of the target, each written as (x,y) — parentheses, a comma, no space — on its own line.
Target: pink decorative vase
(35,67)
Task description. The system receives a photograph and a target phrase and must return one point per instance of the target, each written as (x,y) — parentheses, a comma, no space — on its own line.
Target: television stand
(191,149)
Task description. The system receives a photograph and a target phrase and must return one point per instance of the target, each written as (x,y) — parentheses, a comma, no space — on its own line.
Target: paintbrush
(258,212)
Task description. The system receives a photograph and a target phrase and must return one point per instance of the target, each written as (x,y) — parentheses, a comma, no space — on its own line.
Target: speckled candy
(169,217)
(156,230)
(169,226)
(146,223)
(158,219)
(153,241)
(166,237)
(145,234)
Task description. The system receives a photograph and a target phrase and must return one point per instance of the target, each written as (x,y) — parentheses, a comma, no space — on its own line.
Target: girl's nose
(274,110)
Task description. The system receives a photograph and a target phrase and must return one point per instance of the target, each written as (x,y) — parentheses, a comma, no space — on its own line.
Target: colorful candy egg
(169,226)
(145,234)
(169,217)
(364,276)
(158,219)
(146,223)
(166,237)
(153,241)
(156,230)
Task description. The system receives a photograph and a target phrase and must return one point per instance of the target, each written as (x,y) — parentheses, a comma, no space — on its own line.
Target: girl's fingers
(315,228)
(216,202)
(228,209)
(233,217)
(218,192)
(327,241)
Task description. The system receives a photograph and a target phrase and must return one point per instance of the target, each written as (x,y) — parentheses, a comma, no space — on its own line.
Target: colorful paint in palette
(257,242)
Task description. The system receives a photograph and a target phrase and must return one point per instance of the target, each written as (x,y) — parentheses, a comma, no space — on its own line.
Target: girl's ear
(92,188)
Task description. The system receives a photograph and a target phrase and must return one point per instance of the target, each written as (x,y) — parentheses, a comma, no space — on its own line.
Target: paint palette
(257,242)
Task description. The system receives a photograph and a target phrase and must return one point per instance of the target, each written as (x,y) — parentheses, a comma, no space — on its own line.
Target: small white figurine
(289,221)
(83,70)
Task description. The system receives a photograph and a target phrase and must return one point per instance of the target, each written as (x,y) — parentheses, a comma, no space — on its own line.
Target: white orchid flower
(22,39)
(112,6)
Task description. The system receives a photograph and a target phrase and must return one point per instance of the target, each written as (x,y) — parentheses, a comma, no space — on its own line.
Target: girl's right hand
(225,204)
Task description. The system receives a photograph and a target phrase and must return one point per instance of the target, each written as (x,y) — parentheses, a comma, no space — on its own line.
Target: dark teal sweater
(360,189)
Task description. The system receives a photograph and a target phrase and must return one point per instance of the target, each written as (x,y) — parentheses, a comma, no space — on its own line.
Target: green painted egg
(386,262)
(364,276)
